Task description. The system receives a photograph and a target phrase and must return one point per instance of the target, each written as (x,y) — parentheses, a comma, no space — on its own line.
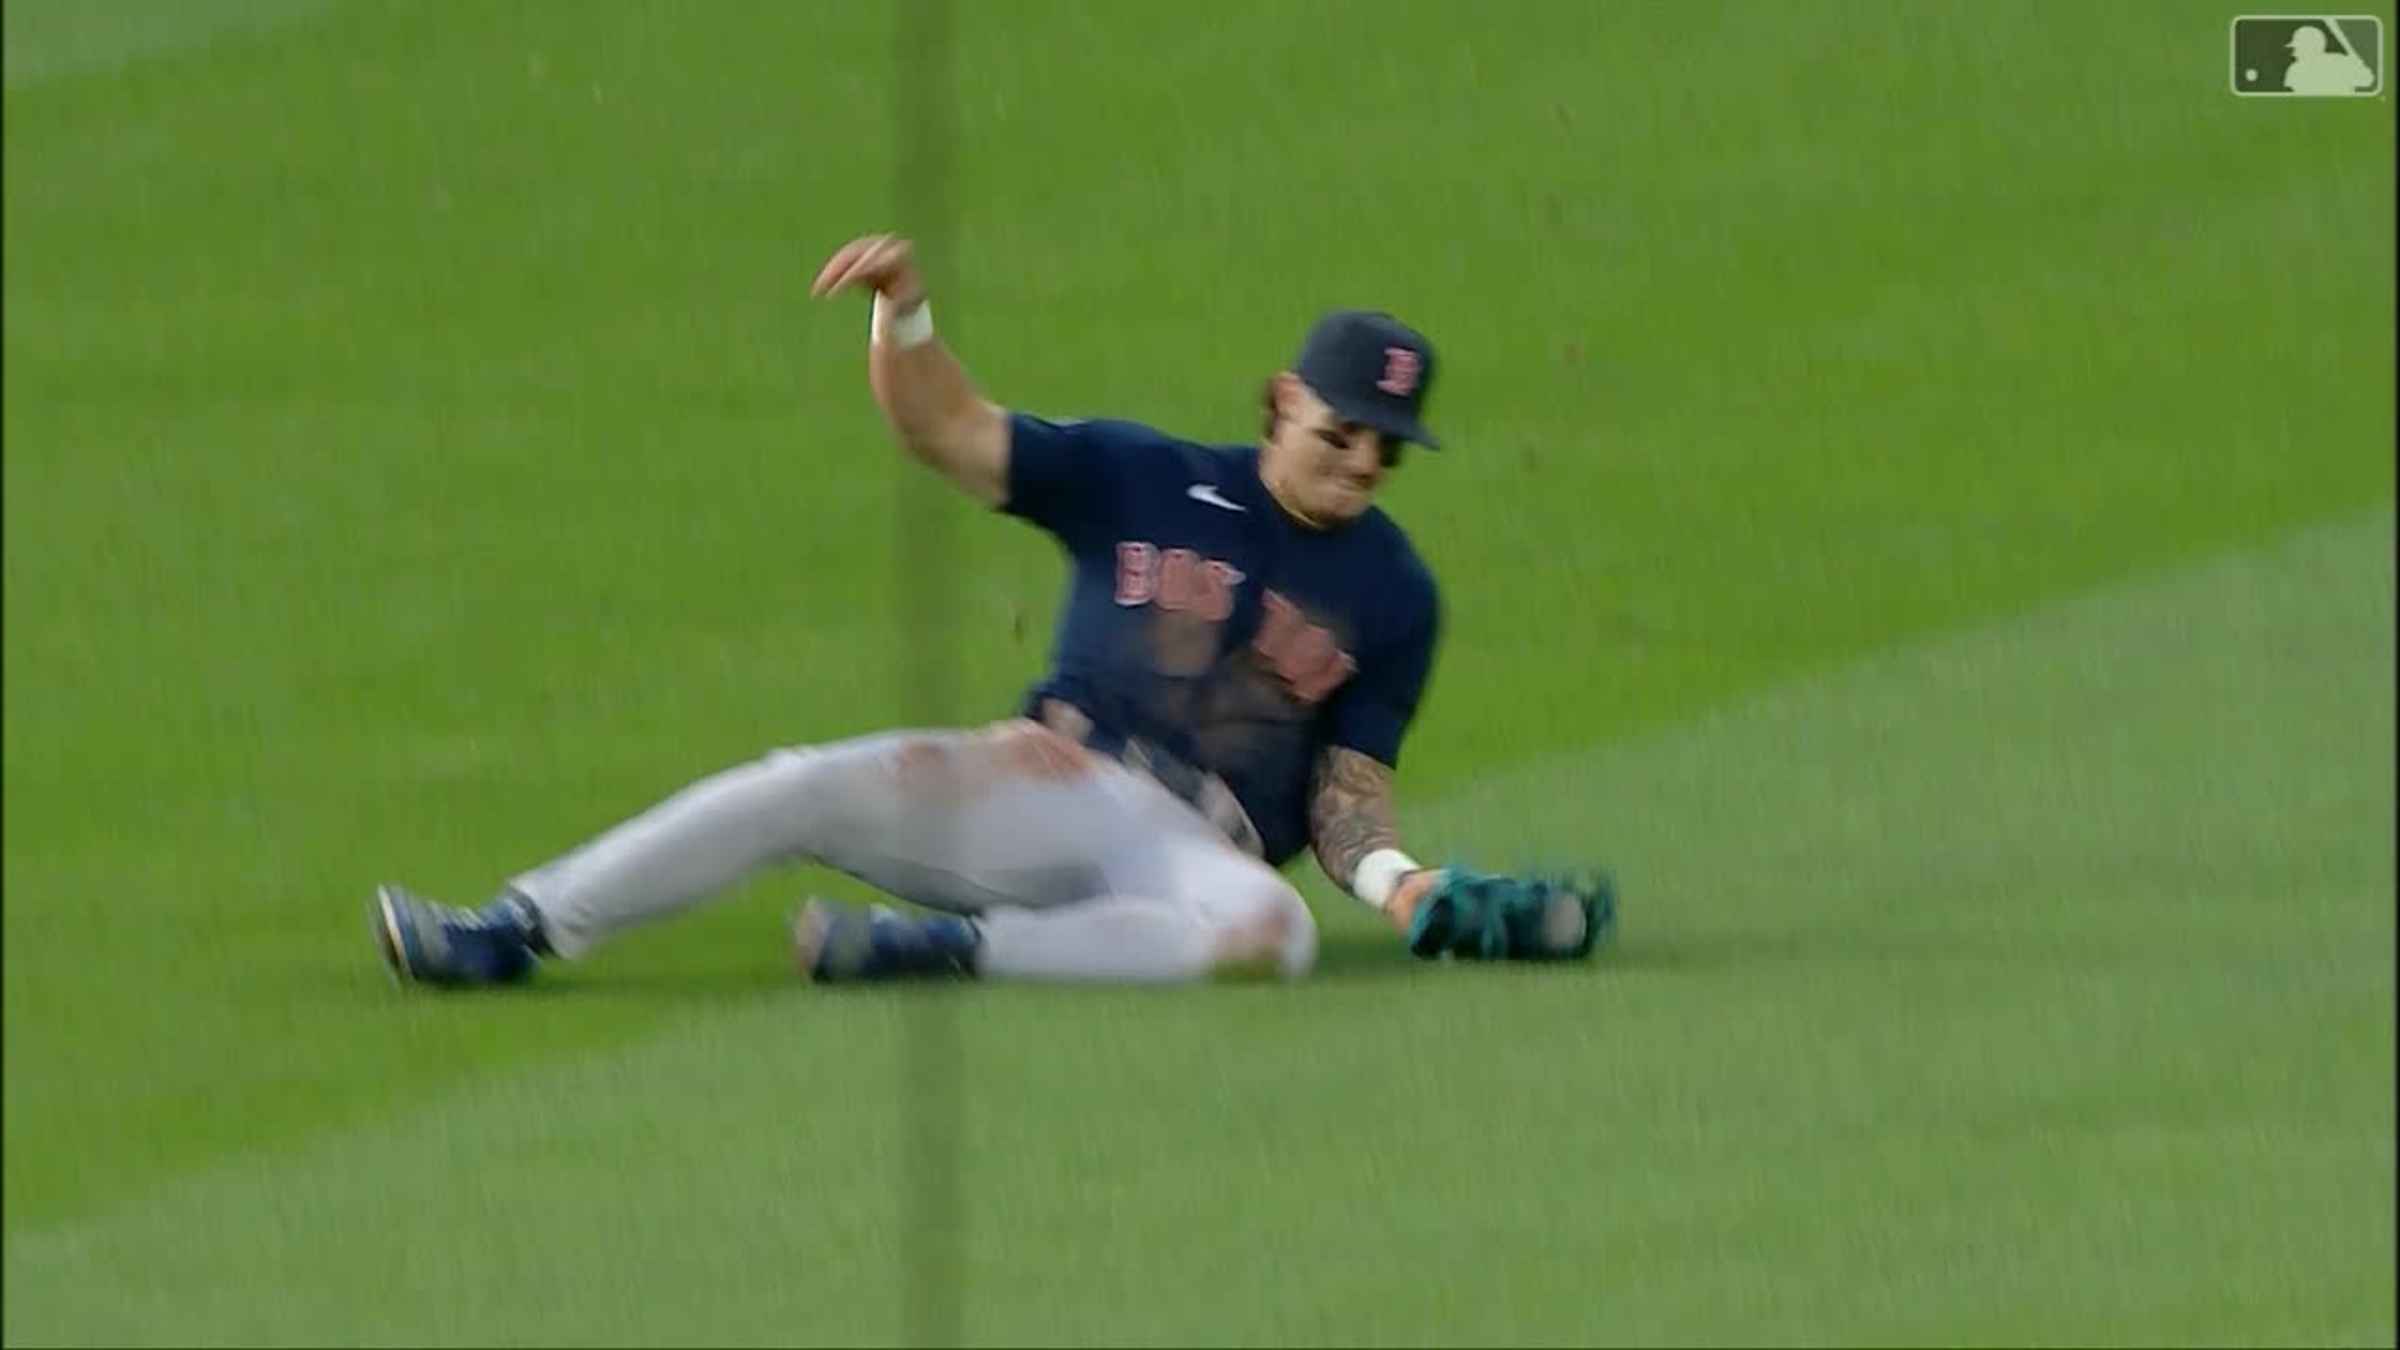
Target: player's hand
(1492,916)
(1408,893)
(885,264)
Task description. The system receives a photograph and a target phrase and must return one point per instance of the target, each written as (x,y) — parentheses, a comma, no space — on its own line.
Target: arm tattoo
(1350,811)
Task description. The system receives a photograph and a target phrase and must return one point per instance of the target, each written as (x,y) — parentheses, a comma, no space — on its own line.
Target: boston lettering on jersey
(1305,656)
(1177,579)
(1203,620)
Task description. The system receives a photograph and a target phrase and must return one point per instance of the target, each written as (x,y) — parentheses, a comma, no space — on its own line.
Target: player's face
(1326,467)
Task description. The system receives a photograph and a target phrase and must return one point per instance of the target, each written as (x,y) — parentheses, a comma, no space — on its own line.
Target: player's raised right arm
(925,394)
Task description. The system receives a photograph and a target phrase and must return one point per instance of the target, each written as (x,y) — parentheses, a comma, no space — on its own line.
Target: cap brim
(1405,429)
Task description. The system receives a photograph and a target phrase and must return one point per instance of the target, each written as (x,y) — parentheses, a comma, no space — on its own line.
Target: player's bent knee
(1273,935)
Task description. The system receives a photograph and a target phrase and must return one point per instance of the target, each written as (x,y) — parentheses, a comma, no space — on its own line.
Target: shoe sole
(811,925)
(389,938)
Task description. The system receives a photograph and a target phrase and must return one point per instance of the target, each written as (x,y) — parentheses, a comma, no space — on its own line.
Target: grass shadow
(1351,956)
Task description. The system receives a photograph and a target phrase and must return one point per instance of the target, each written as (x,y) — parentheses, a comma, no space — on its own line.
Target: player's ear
(1280,399)
(1283,394)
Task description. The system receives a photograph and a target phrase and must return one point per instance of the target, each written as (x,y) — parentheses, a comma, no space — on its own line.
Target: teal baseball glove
(1483,916)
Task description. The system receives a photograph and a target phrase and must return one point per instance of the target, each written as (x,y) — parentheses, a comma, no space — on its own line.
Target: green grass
(1918,507)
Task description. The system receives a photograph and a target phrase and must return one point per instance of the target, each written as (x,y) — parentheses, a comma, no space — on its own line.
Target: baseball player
(1243,646)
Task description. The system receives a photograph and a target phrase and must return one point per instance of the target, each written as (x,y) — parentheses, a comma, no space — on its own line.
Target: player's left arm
(1351,819)
(1449,911)
(1353,826)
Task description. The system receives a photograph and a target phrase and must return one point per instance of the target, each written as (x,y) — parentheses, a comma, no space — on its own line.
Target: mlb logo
(2308,55)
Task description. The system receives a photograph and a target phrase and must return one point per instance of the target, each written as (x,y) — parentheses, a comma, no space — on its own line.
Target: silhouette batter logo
(2308,55)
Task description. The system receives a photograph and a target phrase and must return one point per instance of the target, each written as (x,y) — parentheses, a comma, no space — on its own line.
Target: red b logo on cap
(1401,366)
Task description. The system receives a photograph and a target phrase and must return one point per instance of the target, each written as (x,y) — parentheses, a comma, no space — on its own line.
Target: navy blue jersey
(1203,619)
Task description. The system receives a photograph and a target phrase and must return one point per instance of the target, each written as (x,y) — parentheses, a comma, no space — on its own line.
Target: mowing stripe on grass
(76,37)
(2029,984)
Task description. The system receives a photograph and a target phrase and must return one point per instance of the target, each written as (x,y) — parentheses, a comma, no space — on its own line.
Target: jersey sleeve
(1064,475)
(1373,711)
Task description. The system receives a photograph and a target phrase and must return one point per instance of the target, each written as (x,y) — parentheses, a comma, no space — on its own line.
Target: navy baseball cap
(1372,369)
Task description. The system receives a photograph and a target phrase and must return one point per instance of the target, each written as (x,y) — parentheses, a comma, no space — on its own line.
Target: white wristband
(912,328)
(1378,873)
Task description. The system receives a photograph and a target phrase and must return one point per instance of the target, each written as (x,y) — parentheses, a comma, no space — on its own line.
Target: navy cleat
(834,944)
(427,943)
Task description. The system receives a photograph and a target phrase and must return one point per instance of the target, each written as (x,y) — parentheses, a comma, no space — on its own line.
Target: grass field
(1919,507)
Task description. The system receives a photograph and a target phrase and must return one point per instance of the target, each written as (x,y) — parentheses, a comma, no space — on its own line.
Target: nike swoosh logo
(1204,492)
